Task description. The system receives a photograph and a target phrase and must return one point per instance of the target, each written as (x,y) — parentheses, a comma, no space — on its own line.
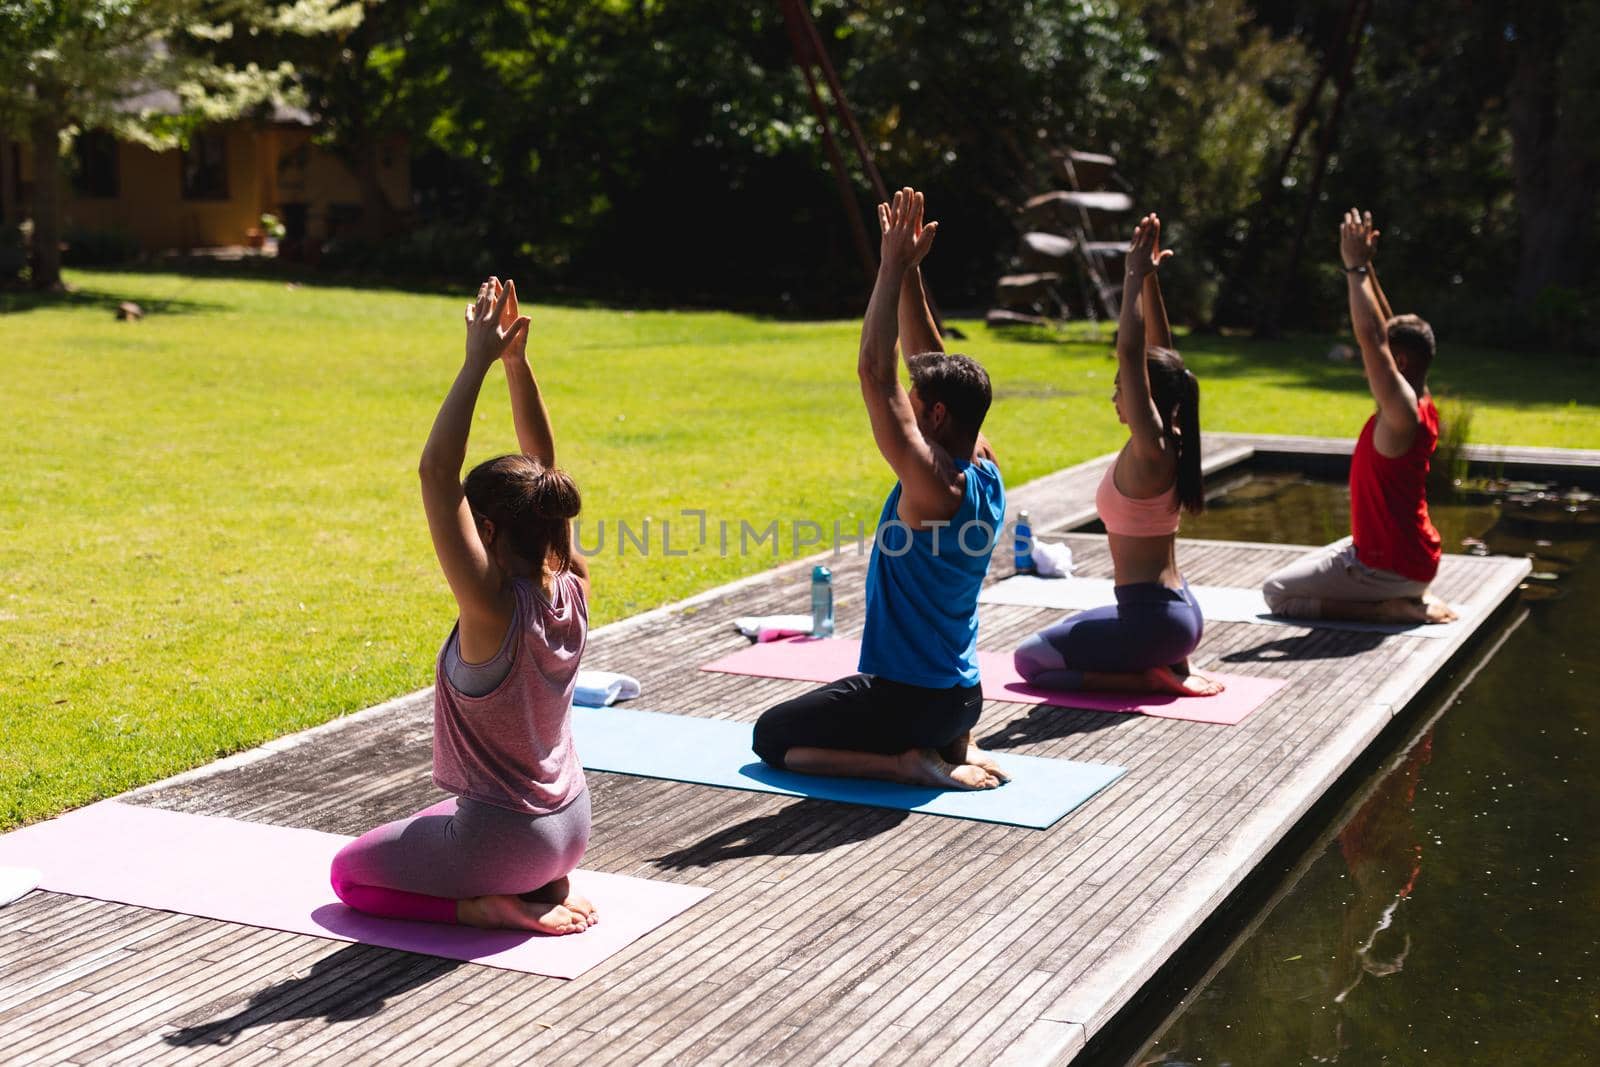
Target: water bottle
(821,602)
(1023,544)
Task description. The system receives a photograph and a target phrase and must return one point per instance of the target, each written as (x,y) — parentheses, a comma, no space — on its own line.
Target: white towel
(1052,560)
(599,689)
(16,882)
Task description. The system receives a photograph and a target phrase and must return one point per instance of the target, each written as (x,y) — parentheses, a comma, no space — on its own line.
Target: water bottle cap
(820,572)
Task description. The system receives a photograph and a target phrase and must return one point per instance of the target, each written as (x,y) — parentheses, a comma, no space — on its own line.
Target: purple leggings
(1149,626)
(417,868)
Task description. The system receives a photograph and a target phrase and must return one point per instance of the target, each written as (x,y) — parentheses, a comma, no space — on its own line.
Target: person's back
(922,587)
(1389,520)
(511,746)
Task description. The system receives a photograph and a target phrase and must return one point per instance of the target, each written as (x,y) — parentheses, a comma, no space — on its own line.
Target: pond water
(1451,912)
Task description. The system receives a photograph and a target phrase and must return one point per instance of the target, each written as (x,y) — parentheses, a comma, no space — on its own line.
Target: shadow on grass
(1460,371)
(352,983)
(1304,358)
(1075,333)
(533,289)
(14,301)
(804,827)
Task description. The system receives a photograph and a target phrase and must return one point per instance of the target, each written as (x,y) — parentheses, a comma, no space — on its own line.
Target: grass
(209,526)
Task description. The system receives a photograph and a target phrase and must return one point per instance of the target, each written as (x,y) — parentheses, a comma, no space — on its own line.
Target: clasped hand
(1358,239)
(1145,253)
(906,238)
(495,329)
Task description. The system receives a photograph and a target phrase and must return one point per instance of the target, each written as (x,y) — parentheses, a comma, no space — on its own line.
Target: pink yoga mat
(807,659)
(276,877)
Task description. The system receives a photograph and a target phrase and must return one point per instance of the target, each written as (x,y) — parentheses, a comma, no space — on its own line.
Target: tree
(71,65)
(1472,131)
(1217,116)
(1554,111)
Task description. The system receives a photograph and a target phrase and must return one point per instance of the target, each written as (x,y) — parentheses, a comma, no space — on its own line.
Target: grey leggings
(1333,572)
(417,868)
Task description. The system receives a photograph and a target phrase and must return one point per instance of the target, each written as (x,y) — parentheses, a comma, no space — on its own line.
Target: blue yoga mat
(717,752)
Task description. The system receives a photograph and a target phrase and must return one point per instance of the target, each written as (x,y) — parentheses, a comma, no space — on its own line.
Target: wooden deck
(835,933)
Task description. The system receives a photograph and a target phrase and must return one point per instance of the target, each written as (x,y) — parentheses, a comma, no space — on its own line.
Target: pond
(1450,913)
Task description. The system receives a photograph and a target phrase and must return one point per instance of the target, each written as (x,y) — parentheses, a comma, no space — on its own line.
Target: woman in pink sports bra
(497,852)
(1144,640)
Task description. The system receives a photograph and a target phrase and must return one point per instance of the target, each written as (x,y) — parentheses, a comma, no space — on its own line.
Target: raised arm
(1372,267)
(918,332)
(1397,401)
(1377,290)
(1157,330)
(1133,378)
(894,424)
(485,606)
(528,411)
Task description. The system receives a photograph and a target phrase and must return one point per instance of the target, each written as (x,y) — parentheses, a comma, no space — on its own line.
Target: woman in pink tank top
(1144,640)
(498,851)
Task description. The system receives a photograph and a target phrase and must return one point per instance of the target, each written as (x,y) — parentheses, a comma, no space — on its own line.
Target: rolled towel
(16,882)
(1052,560)
(772,627)
(599,689)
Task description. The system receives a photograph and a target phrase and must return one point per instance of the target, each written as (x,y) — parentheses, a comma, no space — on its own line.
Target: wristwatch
(1362,269)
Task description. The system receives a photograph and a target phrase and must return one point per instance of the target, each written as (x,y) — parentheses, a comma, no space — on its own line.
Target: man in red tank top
(1381,572)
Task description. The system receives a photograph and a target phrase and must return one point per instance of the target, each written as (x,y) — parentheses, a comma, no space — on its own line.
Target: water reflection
(1453,916)
(1382,851)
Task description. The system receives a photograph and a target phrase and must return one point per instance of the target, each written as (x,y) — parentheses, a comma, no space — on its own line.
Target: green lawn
(209,524)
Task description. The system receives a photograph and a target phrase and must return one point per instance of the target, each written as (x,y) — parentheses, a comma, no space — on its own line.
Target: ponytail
(1191,483)
(1176,393)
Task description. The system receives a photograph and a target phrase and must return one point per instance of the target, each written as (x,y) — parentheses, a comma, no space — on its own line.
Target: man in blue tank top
(908,716)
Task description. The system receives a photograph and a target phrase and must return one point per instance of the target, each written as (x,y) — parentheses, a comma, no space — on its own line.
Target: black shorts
(865,713)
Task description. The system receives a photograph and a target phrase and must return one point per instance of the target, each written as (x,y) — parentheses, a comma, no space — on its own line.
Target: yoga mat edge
(716,752)
(276,877)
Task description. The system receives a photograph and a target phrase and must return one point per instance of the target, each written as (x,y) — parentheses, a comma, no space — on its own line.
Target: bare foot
(924,766)
(1190,684)
(963,750)
(555,919)
(1437,610)
(560,892)
(509,912)
(1425,609)
(985,762)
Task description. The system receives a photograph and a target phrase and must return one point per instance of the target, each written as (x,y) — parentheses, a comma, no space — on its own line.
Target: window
(343,219)
(205,167)
(95,172)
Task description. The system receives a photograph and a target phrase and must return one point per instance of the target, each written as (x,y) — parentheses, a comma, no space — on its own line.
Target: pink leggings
(417,868)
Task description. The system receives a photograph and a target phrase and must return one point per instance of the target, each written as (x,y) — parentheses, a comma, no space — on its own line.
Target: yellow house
(212,193)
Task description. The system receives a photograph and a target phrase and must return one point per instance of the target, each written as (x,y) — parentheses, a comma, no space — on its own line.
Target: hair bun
(555,494)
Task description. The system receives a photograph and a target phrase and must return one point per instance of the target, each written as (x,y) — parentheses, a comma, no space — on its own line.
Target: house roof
(166,102)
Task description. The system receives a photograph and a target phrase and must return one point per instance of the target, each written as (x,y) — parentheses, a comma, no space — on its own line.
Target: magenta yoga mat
(808,659)
(276,877)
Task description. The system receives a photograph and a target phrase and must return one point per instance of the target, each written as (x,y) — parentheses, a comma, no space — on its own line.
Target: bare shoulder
(578,571)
